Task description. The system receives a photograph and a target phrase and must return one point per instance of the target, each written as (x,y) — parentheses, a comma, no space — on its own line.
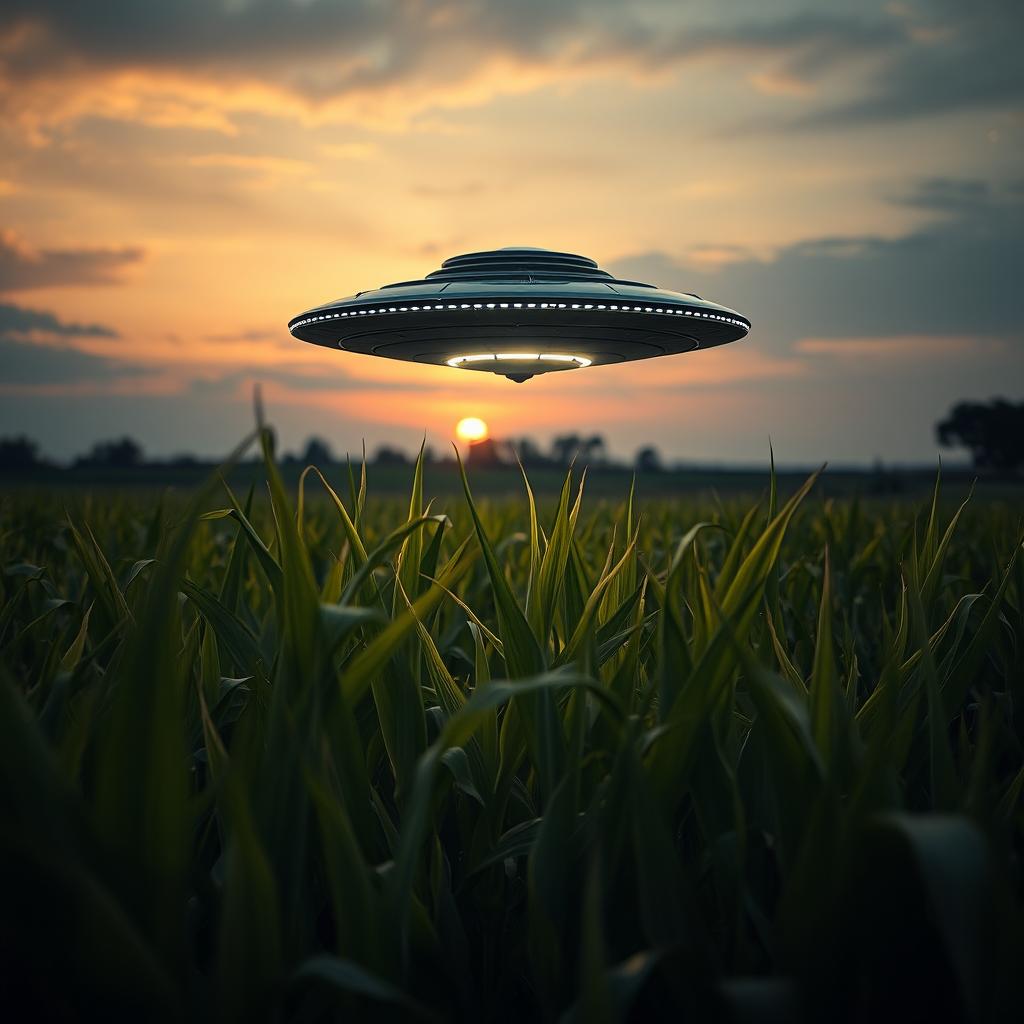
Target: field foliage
(314,757)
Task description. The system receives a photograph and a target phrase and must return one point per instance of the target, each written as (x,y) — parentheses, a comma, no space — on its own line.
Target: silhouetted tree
(317,453)
(122,454)
(593,450)
(528,452)
(564,448)
(648,460)
(18,455)
(993,432)
(387,456)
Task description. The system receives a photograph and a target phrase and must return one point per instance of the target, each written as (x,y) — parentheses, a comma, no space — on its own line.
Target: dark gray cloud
(958,274)
(395,34)
(809,42)
(36,352)
(22,268)
(191,32)
(951,195)
(936,56)
(959,56)
(27,361)
(364,43)
(26,364)
(16,320)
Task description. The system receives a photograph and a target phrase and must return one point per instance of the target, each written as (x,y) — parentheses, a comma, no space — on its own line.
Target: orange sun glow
(472,428)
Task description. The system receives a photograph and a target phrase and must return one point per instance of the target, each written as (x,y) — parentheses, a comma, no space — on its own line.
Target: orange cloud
(23,267)
(778,82)
(246,162)
(902,346)
(382,66)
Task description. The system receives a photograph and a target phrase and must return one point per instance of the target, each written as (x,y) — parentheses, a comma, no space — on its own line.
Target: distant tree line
(19,456)
(564,450)
(992,432)
(22,454)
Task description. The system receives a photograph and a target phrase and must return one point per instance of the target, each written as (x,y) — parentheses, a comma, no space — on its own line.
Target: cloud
(41,353)
(37,353)
(260,164)
(958,56)
(950,195)
(23,268)
(28,366)
(387,63)
(956,275)
(249,336)
(912,347)
(384,62)
(709,257)
(23,323)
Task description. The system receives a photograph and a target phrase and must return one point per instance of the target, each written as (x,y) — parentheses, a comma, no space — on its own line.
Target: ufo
(520,312)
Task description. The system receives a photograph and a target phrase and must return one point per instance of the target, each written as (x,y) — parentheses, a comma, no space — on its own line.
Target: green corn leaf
(520,648)
(828,708)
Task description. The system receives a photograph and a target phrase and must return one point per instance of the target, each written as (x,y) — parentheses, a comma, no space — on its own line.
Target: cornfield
(318,757)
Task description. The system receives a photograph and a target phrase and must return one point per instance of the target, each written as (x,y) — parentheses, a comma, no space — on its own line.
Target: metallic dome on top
(520,312)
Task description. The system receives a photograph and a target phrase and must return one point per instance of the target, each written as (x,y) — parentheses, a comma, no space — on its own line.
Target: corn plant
(314,756)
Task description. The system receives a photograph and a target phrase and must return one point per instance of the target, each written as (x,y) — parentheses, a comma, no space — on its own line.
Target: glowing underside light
(518,357)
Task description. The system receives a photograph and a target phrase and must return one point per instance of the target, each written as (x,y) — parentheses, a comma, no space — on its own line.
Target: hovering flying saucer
(520,312)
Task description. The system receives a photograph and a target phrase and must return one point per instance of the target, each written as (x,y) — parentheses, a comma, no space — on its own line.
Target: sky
(178,180)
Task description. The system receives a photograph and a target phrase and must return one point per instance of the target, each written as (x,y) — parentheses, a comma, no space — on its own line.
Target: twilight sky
(178,179)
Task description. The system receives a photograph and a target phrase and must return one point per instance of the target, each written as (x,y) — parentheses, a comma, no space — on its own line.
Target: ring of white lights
(442,307)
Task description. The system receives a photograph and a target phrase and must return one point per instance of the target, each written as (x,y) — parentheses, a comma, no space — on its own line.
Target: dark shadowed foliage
(18,455)
(120,454)
(338,758)
(992,432)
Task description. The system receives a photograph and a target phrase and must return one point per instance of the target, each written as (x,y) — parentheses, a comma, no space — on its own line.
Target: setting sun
(472,428)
